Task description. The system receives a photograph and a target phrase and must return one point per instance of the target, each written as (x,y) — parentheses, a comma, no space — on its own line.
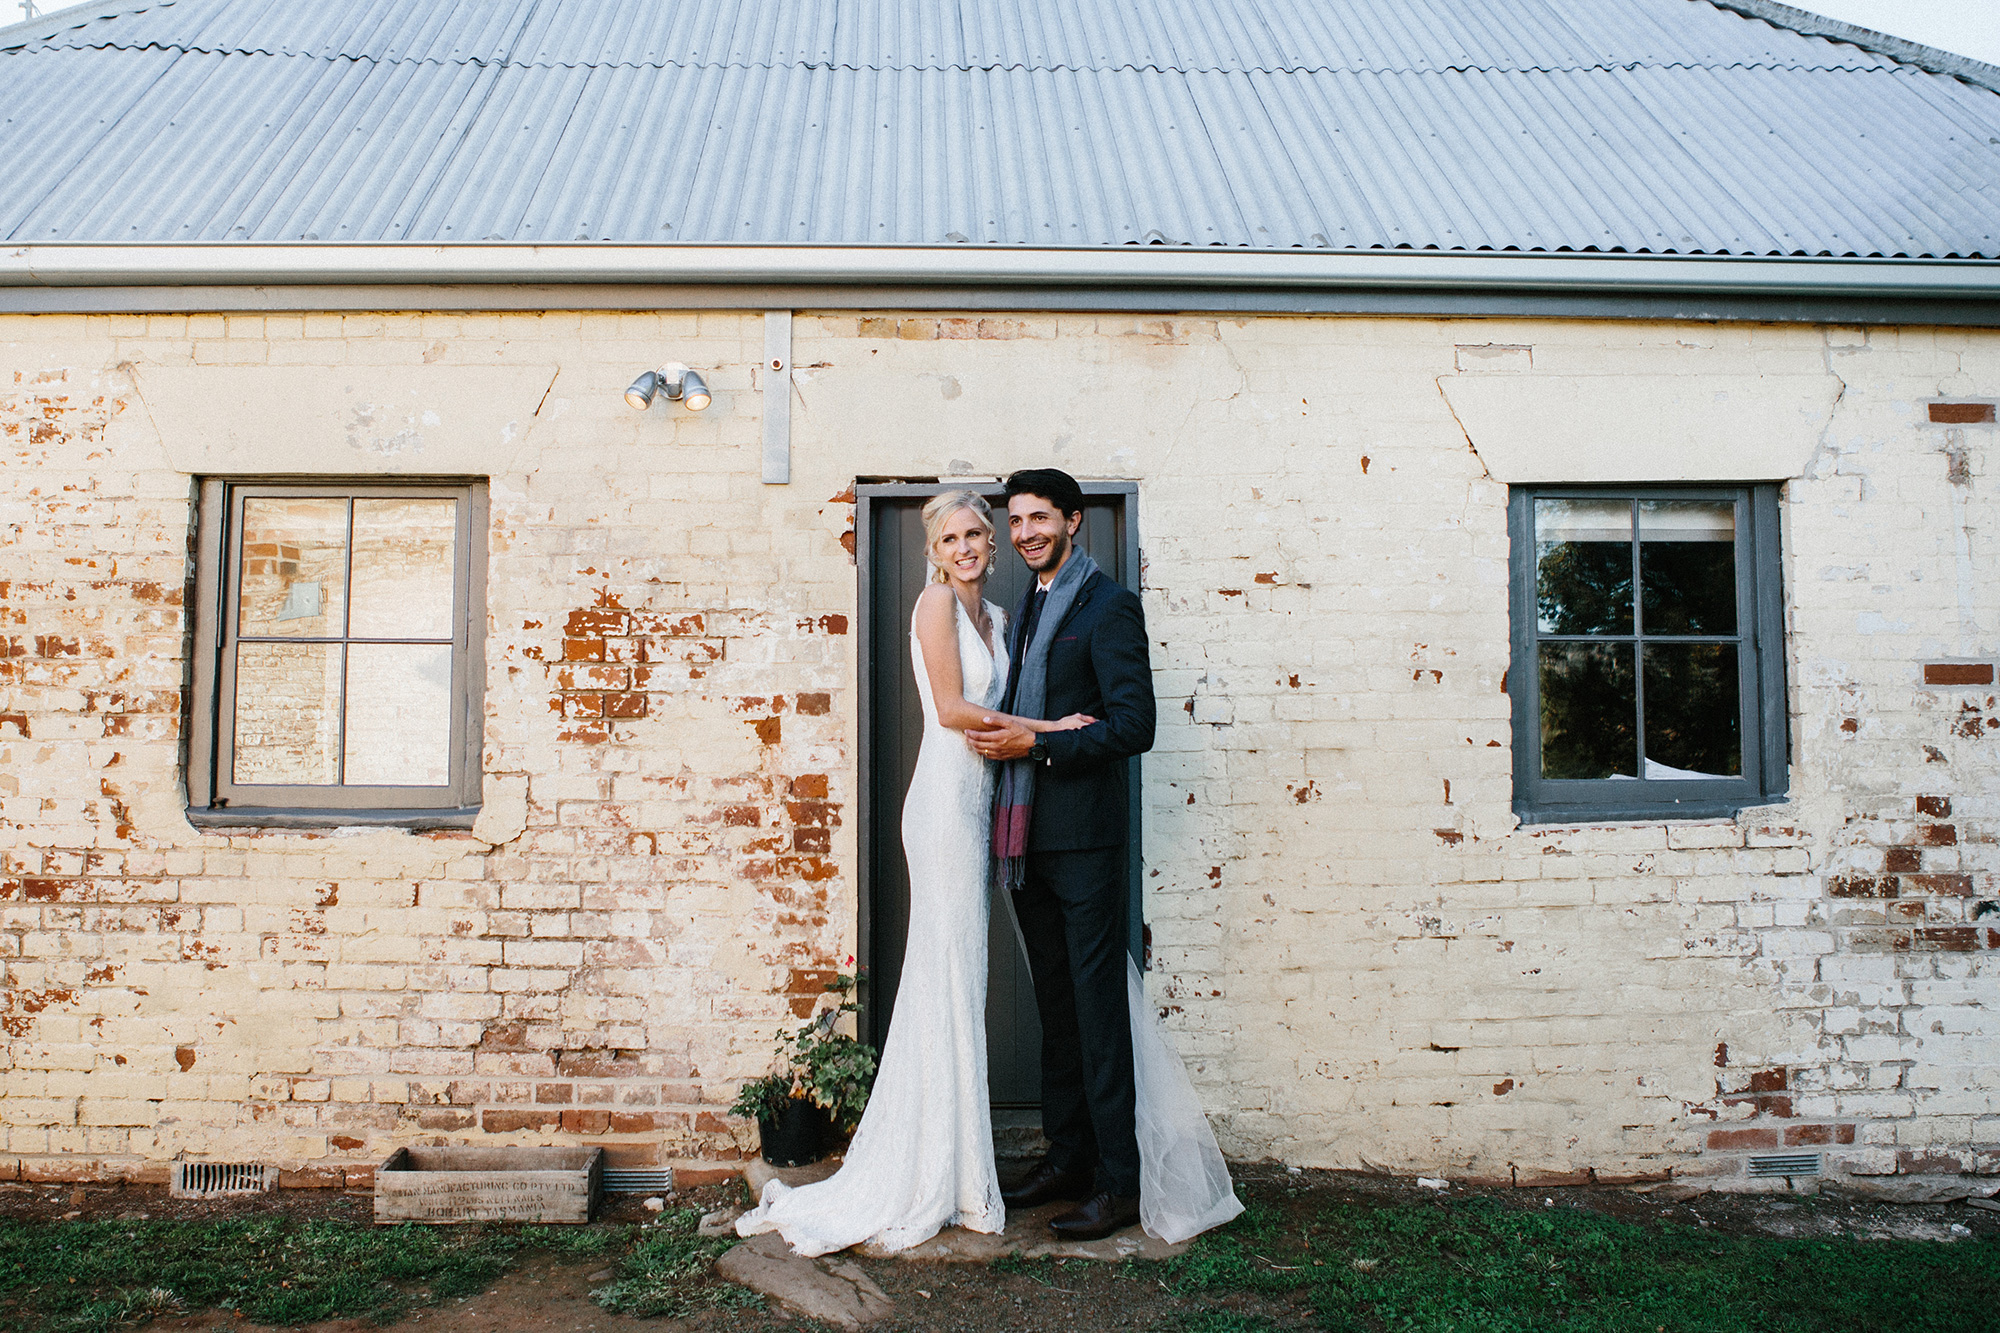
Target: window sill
(1654,813)
(249,817)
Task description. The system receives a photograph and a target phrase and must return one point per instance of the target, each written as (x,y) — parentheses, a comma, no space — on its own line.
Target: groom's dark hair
(1059,488)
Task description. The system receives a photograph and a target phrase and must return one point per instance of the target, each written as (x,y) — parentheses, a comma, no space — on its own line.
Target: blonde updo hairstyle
(938,509)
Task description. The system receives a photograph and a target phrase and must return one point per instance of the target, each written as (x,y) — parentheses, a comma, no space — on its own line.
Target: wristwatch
(1039,753)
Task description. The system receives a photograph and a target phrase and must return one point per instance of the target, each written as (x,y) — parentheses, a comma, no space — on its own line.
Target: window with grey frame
(1648,666)
(338,664)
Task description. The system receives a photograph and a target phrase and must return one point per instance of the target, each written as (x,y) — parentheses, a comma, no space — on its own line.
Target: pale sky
(1968,27)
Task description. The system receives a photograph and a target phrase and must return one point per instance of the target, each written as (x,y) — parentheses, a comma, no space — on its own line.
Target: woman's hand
(1073,722)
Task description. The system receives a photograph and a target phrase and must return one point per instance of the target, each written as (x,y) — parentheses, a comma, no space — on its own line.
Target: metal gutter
(278,264)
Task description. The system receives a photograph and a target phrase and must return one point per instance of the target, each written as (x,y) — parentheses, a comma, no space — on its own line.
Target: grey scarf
(1014,794)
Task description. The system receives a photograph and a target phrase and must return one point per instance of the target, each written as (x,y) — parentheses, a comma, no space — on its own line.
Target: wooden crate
(490,1185)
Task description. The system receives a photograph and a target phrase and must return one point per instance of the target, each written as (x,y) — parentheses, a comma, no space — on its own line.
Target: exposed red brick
(359,1177)
(809,786)
(815,705)
(597,623)
(1947,939)
(506,1122)
(554,1093)
(1910,1162)
(1938,835)
(1861,886)
(445,1118)
(1937,807)
(811,812)
(597,1064)
(769,730)
(345,1142)
(1768,1080)
(313,1178)
(812,841)
(1961,414)
(1956,886)
(1902,860)
(708,1122)
(1810,1136)
(184,1057)
(742,816)
(1531,1179)
(634,1122)
(624,705)
(586,1122)
(583,650)
(1958,673)
(689,1177)
(1723,1140)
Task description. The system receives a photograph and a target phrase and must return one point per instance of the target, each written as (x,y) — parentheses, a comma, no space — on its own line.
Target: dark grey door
(891,556)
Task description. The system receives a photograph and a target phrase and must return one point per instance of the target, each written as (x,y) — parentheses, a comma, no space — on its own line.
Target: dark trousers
(1072,910)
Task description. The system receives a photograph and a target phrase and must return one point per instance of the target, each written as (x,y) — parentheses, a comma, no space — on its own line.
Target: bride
(922,1157)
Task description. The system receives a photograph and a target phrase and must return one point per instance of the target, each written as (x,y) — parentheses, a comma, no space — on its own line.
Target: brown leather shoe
(1046,1184)
(1097,1218)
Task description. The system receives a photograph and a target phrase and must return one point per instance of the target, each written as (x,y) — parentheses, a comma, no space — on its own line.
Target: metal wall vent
(217,1180)
(1785,1164)
(638,1180)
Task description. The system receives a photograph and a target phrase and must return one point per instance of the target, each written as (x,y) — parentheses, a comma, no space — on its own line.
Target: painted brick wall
(1364,959)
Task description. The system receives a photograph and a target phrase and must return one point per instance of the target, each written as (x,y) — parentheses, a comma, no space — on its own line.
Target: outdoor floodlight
(681,384)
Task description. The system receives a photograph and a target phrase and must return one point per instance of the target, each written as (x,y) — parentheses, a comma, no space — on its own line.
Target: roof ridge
(991,66)
(1930,59)
(63,18)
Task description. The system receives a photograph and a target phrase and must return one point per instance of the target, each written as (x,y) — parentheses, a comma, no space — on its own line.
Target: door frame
(865,494)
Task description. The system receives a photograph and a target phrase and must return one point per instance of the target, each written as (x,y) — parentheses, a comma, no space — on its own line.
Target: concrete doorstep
(830,1290)
(836,1291)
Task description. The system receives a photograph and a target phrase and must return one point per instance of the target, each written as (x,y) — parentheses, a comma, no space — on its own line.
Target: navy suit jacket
(1098,664)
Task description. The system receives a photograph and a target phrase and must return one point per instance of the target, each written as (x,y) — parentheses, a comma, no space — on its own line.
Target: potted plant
(817,1088)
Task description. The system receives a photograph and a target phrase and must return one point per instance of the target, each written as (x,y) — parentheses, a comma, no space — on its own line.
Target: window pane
(1693,722)
(1687,563)
(294,567)
(1590,711)
(403,565)
(1583,566)
(398,714)
(287,713)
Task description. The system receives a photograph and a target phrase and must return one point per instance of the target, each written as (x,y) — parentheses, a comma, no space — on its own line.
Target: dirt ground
(546,1293)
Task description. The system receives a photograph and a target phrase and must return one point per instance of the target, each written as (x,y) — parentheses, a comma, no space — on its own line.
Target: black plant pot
(797,1134)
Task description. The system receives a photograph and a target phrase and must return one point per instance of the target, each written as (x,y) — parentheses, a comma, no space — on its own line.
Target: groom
(1060,832)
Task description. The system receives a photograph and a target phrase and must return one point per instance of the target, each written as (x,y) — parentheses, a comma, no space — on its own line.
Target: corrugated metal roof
(1664,126)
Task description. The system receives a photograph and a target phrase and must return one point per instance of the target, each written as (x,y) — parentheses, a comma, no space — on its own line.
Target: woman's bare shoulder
(934,604)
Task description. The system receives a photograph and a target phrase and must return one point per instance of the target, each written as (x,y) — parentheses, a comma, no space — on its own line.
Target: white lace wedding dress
(922,1158)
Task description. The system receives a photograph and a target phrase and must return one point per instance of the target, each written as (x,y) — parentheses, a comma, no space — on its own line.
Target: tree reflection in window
(1638,677)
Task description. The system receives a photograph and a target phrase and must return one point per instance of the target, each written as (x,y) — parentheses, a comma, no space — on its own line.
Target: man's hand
(1000,738)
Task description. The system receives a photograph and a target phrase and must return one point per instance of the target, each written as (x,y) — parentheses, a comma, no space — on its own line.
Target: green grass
(667,1272)
(89,1277)
(1474,1265)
